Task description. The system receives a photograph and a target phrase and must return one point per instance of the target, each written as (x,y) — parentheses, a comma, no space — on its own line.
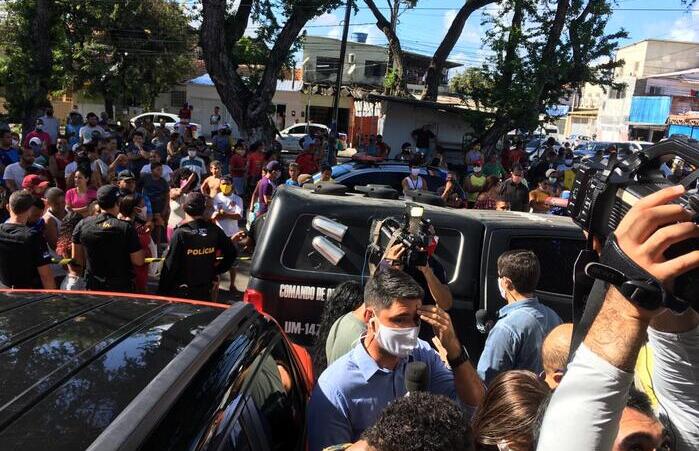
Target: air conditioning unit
(351,58)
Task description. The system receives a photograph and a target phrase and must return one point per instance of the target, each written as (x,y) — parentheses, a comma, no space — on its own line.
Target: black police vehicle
(292,271)
(81,370)
(390,173)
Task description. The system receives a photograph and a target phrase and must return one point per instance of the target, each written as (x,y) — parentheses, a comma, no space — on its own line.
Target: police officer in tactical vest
(190,266)
(107,247)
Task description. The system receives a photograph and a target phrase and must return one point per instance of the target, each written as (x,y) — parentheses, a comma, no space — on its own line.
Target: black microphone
(416,377)
(483,321)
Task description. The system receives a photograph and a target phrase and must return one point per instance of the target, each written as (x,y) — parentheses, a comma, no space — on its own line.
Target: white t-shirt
(229,204)
(86,132)
(95,165)
(167,171)
(51,127)
(195,165)
(16,173)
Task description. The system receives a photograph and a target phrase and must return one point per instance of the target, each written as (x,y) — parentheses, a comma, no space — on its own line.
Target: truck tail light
(255,298)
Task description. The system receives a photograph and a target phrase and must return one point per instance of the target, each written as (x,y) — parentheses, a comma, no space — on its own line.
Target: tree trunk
(248,108)
(433,77)
(491,137)
(109,106)
(400,87)
(42,64)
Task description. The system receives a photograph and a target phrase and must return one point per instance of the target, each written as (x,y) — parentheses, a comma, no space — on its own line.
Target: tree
(543,51)
(128,51)
(249,101)
(28,71)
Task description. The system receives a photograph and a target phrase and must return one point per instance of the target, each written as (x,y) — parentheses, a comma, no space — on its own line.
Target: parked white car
(576,140)
(168,119)
(289,137)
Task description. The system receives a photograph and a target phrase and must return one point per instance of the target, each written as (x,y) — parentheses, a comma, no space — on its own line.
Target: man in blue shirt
(352,392)
(516,339)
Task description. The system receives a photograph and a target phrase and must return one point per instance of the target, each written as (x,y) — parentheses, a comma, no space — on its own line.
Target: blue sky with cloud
(422,29)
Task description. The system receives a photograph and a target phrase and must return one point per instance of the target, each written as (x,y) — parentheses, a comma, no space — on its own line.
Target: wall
(398,120)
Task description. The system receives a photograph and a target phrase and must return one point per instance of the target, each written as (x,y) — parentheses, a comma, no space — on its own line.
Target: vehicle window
(298,130)
(163,119)
(238,438)
(316,130)
(362,178)
(341,170)
(556,256)
(275,389)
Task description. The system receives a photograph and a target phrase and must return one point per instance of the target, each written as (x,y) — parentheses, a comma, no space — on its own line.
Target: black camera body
(414,233)
(603,193)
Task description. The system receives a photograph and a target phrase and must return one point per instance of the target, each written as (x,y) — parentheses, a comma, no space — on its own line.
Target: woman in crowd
(79,198)
(182,182)
(132,208)
(507,417)
(452,193)
(487,199)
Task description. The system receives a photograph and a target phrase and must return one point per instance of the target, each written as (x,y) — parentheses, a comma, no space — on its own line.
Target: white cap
(35,141)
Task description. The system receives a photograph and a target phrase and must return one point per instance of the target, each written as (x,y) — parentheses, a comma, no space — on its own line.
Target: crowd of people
(95,208)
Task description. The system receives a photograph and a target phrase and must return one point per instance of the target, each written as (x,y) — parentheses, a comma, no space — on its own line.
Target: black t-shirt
(516,194)
(108,243)
(422,137)
(191,256)
(22,251)
(426,330)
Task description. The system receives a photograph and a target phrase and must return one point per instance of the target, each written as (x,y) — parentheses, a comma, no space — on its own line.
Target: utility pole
(341,68)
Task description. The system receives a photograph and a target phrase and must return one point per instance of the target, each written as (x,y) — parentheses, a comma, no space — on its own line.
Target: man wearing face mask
(194,164)
(38,132)
(414,182)
(516,339)
(353,390)
(475,183)
(567,171)
(514,191)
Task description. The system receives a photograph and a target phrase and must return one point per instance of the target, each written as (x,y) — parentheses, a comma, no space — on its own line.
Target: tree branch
(240,20)
(394,45)
(434,71)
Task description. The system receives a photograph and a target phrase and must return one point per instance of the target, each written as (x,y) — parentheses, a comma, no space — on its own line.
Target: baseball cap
(227,180)
(126,175)
(34,181)
(107,196)
(35,141)
(194,204)
(550,172)
(478,163)
(274,166)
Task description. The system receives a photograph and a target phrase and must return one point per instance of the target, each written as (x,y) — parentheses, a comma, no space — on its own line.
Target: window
(374,68)
(178,98)
(556,256)
(326,67)
(655,90)
(617,93)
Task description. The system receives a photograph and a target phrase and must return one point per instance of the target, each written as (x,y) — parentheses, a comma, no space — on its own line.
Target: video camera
(414,233)
(603,193)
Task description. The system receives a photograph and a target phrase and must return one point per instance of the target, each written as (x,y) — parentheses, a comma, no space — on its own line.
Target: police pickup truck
(290,278)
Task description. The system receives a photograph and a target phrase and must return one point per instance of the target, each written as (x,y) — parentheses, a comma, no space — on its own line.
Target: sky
(422,29)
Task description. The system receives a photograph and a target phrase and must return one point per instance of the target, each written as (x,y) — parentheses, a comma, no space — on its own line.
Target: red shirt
(512,156)
(307,163)
(43,136)
(255,162)
(237,165)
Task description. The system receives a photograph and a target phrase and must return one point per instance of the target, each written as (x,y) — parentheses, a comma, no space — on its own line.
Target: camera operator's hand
(443,328)
(650,227)
(394,253)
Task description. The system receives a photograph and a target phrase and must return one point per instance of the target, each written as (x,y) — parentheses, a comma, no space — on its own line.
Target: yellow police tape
(66,261)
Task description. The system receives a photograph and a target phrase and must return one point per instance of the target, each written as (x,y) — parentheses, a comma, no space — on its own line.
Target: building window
(326,67)
(655,90)
(178,98)
(374,68)
(617,93)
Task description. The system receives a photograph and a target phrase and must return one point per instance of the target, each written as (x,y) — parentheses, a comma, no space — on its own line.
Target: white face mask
(399,342)
(569,162)
(553,179)
(192,153)
(414,172)
(477,169)
(503,293)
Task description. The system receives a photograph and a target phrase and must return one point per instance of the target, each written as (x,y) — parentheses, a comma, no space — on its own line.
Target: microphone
(483,321)
(416,377)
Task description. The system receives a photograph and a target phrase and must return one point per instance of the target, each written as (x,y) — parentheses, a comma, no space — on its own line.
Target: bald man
(554,353)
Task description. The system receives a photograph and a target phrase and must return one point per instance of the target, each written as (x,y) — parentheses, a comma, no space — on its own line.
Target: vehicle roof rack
(133,425)
(378,191)
(327,188)
(425,197)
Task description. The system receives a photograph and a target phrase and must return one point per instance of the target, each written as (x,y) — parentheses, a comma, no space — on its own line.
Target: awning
(650,110)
